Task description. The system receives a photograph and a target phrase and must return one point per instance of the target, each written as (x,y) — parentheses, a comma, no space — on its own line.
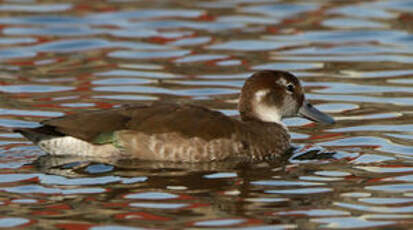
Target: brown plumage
(173,132)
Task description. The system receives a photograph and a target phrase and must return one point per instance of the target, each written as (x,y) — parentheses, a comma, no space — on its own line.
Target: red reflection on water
(196,205)
(116,204)
(27,167)
(162,40)
(13,145)
(52,210)
(184,197)
(31,180)
(325,136)
(103,105)
(21,63)
(273,29)
(73,226)
(406,17)
(206,17)
(60,207)
(45,213)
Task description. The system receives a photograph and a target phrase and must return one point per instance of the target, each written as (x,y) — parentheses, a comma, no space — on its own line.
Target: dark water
(355,58)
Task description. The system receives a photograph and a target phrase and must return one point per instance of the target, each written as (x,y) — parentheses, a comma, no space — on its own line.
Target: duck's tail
(38,134)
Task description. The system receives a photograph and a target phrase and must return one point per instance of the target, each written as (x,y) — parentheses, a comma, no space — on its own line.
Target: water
(355,59)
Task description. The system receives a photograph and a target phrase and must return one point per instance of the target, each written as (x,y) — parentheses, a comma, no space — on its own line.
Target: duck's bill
(311,113)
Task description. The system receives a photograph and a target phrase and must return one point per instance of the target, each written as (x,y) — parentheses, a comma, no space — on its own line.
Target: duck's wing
(187,120)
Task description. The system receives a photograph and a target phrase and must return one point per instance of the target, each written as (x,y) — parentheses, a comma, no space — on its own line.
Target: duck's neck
(264,122)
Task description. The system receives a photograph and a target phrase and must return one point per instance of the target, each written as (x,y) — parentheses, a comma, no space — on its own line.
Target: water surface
(355,59)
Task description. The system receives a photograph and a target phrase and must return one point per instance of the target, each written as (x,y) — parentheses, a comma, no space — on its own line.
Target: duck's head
(271,95)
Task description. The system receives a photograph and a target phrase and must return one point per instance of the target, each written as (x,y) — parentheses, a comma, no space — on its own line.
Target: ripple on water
(115,227)
(10,222)
(17,123)
(219,223)
(221,175)
(72,45)
(158,205)
(132,32)
(392,188)
(151,196)
(136,73)
(40,8)
(343,36)
(386,169)
(16,53)
(120,81)
(357,99)
(314,212)
(300,191)
(285,183)
(249,45)
(148,13)
(37,189)
(289,66)
(379,209)
(392,58)
(248,19)
(374,142)
(149,54)
(191,41)
(337,107)
(229,63)
(11,41)
(345,50)
(200,58)
(330,87)
(30,112)
(387,200)
(156,90)
(77,105)
(406,178)
(59,180)
(351,23)
(363,10)
(127,97)
(280,10)
(332,173)
(371,158)
(33,88)
(52,31)
(318,178)
(349,222)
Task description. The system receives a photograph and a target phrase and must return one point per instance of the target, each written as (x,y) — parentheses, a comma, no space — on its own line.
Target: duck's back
(163,132)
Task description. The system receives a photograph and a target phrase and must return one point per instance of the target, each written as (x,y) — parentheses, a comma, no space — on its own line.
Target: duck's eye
(290,87)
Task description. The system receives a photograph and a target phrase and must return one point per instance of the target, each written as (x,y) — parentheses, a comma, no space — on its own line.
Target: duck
(164,131)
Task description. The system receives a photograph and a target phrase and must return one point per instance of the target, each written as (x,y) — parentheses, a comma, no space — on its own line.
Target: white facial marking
(263,111)
(260,94)
(268,113)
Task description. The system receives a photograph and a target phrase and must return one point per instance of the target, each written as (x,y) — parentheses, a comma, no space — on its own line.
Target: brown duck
(187,133)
